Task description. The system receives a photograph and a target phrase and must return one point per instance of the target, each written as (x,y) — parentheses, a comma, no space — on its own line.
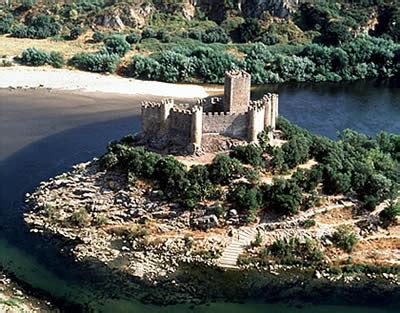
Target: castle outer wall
(185,125)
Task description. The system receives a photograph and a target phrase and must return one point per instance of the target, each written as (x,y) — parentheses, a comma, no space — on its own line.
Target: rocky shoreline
(15,297)
(131,233)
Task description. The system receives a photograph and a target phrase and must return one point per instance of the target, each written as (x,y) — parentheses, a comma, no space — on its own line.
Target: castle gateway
(194,128)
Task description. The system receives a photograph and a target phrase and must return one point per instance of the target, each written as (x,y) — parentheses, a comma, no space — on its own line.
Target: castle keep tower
(208,125)
(237,91)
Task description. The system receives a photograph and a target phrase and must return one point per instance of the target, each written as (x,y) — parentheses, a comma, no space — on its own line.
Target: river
(43,133)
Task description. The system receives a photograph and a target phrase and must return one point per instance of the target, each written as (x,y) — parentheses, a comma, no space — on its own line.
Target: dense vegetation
(320,42)
(356,165)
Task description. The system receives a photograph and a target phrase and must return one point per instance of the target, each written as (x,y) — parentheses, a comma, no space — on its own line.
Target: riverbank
(16,299)
(65,128)
(98,219)
(63,79)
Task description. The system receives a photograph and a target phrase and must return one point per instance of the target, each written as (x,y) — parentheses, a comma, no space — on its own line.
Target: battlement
(233,115)
(223,113)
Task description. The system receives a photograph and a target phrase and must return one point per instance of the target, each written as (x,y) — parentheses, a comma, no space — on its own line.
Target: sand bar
(63,79)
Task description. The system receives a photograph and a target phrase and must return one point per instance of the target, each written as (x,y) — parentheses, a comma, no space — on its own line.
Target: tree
(247,199)
(248,154)
(335,33)
(250,30)
(133,38)
(284,196)
(224,169)
(117,44)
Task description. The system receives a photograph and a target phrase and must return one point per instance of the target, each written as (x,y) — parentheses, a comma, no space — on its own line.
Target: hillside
(197,41)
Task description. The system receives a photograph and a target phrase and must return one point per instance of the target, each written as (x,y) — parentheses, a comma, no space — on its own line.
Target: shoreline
(163,264)
(26,77)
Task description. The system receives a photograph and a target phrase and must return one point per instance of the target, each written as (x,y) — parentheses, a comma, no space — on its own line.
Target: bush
(6,23)
(98,36)
(95,62)
(41,26)
(175,67)
(56,59)
(75,32)
(284,196)
(215,34)
(389,214)
(133,38)
(80,218)
(248,154)
(345,238)
(144,68)
(34,57)
(224,169)
(247,199)
(117,44)
(148,33)
(291,251)
(250,30)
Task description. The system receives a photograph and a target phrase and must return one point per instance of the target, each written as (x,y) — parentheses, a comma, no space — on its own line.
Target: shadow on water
(21,173)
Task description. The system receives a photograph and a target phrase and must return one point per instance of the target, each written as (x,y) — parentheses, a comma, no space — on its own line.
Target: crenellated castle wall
(234,115)
(226,123)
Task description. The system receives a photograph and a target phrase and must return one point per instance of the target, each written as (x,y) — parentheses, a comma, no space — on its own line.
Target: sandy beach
(63,79)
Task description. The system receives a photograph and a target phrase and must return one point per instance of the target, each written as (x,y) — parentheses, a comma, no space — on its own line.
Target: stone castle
(193,128)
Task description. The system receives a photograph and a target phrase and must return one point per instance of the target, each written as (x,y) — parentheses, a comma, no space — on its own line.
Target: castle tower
(256,117)
(274,110)
(271,110)
(165,109)
(237,91)
(197,128)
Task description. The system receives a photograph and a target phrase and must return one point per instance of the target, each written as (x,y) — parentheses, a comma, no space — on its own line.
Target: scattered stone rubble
(127,227)
(132,227)
(14,299)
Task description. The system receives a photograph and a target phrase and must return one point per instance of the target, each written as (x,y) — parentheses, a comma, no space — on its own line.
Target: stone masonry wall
(225,123)
(180,122)
(151,117)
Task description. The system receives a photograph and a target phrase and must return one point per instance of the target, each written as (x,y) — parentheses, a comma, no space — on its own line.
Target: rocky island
(226,191)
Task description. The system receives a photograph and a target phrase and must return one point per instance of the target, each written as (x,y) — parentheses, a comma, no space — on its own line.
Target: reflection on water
(42,135)
(327,108)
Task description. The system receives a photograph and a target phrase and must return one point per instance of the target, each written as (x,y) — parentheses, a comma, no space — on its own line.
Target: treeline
(363,58)
(356,165)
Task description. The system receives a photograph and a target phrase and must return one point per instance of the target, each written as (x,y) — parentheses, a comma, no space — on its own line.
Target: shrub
(309,223)
(257,241)
(95,62)
(56,59)
(144,67)
(295,250)
(34,57)
(133,38)
(175,67)
(19,31)
(249,30)
(285,196)
(75,32)
(389,214)
(148,33)
(248,154)
(224,169)
(247,199)
(215,34)
(6,24)
(80,218)
(345,238)
(98,36)
(117,44)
